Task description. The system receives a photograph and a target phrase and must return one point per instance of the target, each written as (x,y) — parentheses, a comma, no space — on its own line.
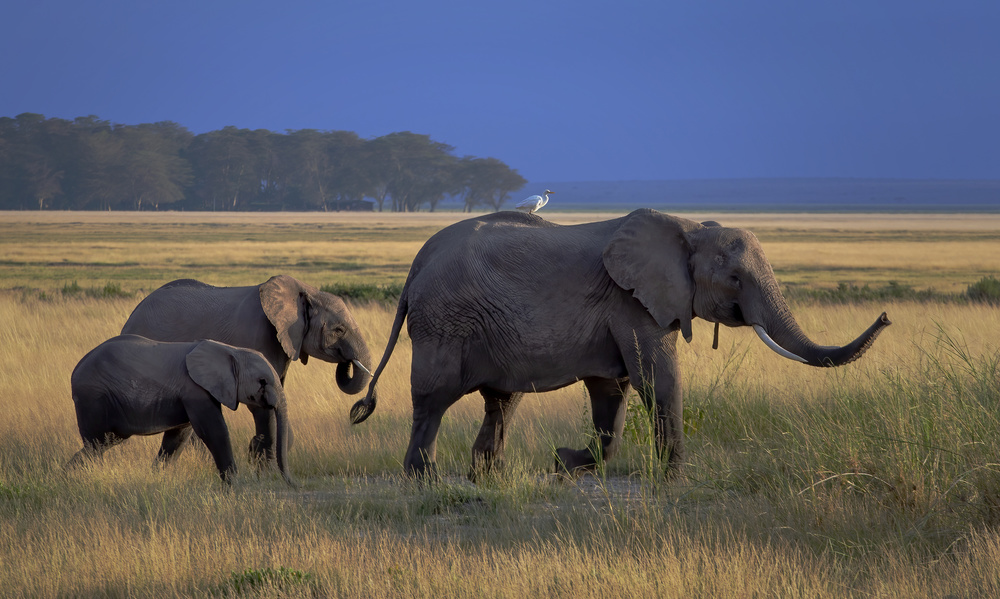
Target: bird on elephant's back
(509,303)
(283,318)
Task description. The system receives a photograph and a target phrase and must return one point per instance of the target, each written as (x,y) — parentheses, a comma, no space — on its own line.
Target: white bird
(534,203)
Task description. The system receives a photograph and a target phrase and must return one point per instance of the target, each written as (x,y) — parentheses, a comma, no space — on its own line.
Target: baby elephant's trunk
(281,451)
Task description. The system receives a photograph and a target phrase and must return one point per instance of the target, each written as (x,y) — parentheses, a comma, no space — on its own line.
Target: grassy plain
(879,479)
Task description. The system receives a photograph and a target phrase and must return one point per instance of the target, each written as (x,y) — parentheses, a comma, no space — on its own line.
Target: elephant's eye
(735,282)
(263,383)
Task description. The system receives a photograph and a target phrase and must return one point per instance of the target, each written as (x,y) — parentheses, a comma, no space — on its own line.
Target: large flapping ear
(210,365)
(648,255)
(285,305)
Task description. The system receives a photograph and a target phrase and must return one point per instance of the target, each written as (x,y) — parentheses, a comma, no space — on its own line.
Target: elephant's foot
(80,458)
(574,461)
(261,453)
(483,466)
(422,471)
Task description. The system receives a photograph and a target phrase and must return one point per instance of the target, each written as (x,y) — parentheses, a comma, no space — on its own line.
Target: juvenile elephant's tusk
(358,364)
(777,348)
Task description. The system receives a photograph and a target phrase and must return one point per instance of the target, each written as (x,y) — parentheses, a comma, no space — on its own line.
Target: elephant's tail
(364,407)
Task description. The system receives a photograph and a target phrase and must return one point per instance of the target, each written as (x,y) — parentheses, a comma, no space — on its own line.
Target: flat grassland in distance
(878,479)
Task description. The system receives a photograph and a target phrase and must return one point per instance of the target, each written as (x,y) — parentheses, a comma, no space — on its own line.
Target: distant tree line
(92,164)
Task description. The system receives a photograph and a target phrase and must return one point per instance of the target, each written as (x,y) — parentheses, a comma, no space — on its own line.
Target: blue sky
(560,91)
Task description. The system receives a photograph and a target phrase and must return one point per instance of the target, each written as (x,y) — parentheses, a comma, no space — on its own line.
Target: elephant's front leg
(660,389)
(263,445)
(607,403)
(210,426)
(487,451)
(174,441)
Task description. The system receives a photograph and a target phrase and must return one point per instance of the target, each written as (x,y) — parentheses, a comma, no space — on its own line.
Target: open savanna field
(877,479)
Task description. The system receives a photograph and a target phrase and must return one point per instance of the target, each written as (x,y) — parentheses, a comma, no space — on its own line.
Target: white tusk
(777,348)
(358,364)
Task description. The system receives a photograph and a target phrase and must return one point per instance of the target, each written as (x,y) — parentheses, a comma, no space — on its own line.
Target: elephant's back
(189,310)
(506,280)
(126,357)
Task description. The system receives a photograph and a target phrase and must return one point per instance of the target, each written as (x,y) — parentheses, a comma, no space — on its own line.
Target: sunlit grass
(142,251)
(880,478)
(805,479)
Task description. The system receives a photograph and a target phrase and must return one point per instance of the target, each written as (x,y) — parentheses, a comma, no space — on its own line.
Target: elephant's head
(315,323)
(680,269)
(234,375)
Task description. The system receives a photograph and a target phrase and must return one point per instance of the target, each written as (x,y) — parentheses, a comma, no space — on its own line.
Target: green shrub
(72,288)
(848,293)
(254,579)
(986,290)
(109,291)
(366,292)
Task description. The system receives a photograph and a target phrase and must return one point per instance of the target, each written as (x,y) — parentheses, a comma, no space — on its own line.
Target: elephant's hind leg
(174,442)
(422,451)
(607,401)
(488,449)
(94,448)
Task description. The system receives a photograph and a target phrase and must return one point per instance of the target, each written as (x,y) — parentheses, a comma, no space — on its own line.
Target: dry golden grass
(47,250)
(877,479)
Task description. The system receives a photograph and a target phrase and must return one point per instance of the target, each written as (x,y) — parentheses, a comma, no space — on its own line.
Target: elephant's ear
(211,366)
(285,305)
(648,255)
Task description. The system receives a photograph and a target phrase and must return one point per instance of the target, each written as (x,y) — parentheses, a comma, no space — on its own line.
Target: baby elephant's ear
(210,366)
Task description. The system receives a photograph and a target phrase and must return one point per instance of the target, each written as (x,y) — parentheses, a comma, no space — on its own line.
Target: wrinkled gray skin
(130,385)
(283,318)
(508,303)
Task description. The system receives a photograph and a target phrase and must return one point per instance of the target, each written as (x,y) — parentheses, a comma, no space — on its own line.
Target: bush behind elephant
(509,303)
(130,385)
(283,318)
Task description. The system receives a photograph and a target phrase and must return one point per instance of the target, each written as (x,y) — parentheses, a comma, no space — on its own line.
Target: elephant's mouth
(738,315)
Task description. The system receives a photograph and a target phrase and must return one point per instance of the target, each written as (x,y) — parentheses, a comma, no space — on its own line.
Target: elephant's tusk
(777,348)
(358,364)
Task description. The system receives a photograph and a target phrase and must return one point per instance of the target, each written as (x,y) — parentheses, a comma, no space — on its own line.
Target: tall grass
(877,479)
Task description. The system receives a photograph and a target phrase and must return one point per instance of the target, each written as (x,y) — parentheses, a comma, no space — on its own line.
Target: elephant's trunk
(776,323)
(354,374)
(281,450)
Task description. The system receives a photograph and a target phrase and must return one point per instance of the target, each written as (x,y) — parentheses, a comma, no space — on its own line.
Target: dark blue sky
(572,90)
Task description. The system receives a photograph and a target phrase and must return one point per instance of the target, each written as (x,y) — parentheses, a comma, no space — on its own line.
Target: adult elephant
(509,303)
(283,318)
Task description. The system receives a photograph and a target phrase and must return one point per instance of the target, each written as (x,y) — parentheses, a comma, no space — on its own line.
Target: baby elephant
(130,385)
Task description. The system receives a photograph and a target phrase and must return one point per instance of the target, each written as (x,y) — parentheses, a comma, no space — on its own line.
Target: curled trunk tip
(857,348)
(352,376)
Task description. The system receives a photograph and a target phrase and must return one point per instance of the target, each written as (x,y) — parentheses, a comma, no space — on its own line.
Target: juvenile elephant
(283,318)
(130,385)
(509,303)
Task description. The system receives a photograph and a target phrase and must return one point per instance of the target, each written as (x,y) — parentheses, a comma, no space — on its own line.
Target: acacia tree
(347,176)
(488,181)
(91,163)
(223,168)
(137,167)
(154,173)
(268,168)
(416,170)
(375,169)
(311,165)
(34,158)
